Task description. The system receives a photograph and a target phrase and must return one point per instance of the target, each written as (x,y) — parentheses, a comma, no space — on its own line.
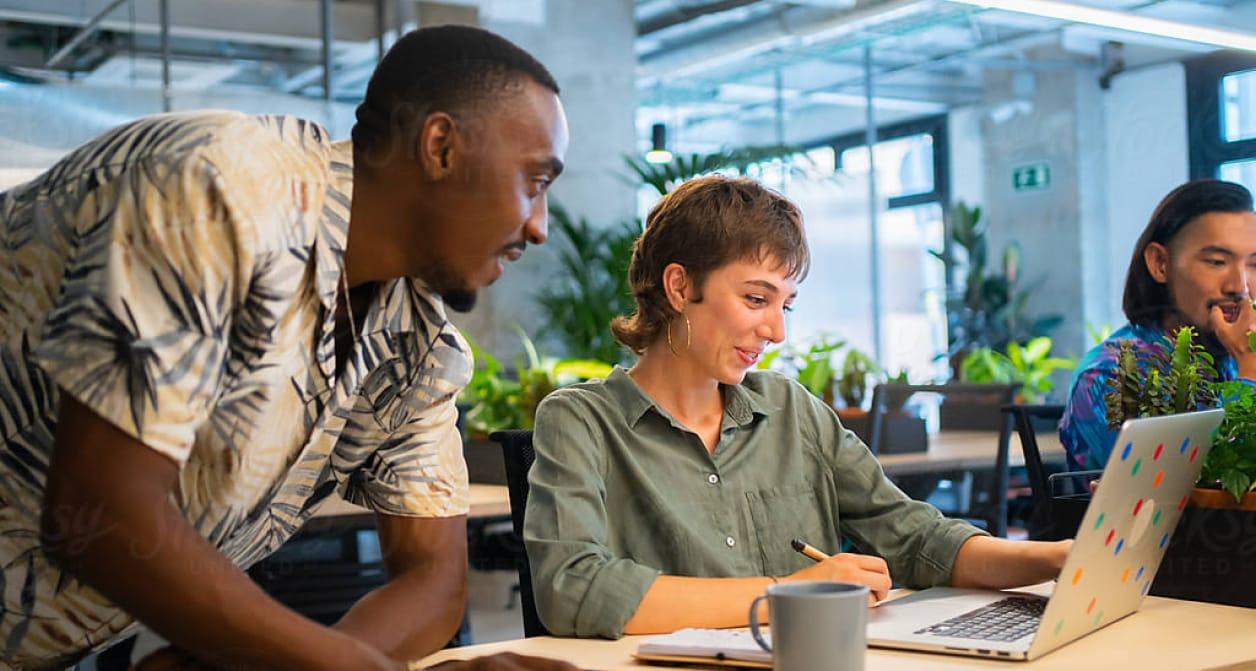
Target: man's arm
(421,607)
(108,519)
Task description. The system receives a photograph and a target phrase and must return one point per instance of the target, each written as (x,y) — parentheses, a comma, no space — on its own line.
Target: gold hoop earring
(670,346)
(688,334)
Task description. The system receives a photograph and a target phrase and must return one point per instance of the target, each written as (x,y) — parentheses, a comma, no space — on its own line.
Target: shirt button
(713,479)
(730,541)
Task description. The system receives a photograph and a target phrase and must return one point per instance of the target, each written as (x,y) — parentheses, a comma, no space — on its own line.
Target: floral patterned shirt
(1084,429)
(178,275)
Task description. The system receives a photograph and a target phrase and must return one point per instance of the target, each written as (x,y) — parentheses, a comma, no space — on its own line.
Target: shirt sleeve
(917,542)
(1084,430)
(582,588)
(401,446)
(140,329)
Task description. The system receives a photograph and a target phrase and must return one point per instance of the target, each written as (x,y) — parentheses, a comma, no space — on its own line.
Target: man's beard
(459,300)
(451,288)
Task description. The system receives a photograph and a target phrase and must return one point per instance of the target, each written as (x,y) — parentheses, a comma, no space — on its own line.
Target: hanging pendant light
(658,152)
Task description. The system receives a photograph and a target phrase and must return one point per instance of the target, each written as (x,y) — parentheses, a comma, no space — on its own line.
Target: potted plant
(986,308)
(1031,367)
(858,371)
(1212,556)
(493,401)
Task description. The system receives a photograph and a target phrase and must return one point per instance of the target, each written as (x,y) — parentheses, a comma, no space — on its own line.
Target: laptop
(1115,556)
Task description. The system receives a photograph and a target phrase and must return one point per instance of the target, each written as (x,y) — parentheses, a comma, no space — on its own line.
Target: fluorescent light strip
(1134,23)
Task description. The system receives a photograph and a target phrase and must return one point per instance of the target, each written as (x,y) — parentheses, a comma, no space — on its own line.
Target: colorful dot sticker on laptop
(1125,575)
(1137,465)
(1185,442)
(1137,507)
(1077,576)
(1155,519)
(1139,576)
(1119,544)
(1125,453)
(1164,539)
(1108,541)
(1159,449)
(1099,522)
(1194,452)
(1091,607)
(1159,478)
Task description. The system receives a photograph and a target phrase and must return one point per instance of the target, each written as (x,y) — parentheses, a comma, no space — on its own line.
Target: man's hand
(1234,335)
(850,567)
(507,661)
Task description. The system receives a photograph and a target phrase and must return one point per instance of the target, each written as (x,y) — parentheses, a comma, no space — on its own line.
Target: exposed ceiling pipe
(85,32)
(681,15)
(770,35)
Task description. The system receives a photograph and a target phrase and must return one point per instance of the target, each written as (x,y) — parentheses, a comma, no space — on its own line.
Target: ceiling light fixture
(1126,21)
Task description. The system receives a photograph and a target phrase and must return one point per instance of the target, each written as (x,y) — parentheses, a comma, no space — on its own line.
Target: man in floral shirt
(1194,265)
(211,322)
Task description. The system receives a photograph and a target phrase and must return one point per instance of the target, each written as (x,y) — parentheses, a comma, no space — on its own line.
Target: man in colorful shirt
(1194,265)
(211,322)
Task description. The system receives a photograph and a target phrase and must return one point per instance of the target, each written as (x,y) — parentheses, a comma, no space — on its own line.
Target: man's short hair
(1146,301)
(451,69)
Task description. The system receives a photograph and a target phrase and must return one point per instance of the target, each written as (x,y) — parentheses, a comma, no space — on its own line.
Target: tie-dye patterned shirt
(178,276)
(1084,430)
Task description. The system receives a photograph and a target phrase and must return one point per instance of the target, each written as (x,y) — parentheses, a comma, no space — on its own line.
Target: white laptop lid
(1121,541)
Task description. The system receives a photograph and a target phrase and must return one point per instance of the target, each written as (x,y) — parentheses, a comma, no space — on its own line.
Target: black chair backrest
(518,455)
(1054,517)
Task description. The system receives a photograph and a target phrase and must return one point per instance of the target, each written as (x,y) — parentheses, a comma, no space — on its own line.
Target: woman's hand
(850,567)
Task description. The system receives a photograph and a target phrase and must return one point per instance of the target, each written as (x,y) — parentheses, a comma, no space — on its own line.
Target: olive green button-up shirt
(621,492)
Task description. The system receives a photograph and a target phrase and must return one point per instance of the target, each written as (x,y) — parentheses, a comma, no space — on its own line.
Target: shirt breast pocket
(781,514)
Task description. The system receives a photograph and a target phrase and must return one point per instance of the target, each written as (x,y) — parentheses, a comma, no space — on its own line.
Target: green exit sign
(1032,177)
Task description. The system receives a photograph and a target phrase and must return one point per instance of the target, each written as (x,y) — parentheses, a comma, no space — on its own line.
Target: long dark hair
(1146,300)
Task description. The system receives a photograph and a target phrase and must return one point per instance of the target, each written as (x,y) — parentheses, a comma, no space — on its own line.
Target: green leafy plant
(1232,461)
(590,287)
(813,367)
(1165,379)
(1178,376)
(987,308)
(498,402)
(1031,366)
(858,370)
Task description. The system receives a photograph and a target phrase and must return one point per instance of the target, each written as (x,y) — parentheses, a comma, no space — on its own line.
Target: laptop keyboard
(1008,620)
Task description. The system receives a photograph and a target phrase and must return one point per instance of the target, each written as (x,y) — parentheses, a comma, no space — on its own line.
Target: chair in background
(989,511)
(1060,499)
(518,455)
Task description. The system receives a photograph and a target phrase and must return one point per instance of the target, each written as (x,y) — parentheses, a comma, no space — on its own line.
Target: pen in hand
(811,553)
(870,571)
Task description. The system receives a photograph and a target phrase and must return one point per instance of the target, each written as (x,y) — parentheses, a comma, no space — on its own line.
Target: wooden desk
(967,450)
(487,501)
(1163,635)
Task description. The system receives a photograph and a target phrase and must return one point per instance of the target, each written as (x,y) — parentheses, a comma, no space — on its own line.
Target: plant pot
(971,413)
(902,433)
(1212,555)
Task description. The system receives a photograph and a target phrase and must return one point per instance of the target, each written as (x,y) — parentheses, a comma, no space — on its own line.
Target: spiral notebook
(723,647)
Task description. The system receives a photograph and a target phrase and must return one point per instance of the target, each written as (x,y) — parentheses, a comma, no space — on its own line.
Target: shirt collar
(743,403)
(332,230)
(399,304)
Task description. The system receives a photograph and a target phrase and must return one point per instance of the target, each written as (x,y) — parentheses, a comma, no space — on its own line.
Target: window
(837,297)
(1221,108)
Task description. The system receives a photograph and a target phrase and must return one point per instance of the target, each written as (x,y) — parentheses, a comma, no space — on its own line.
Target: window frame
(1205,117)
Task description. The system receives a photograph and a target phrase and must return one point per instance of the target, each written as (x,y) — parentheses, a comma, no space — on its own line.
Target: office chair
(1060,499)
(518,454)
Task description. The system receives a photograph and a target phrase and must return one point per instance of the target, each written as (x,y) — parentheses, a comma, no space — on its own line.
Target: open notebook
(731,647)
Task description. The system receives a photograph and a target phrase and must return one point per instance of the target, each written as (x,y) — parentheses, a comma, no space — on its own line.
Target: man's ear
(1156,256)
(437,145)
(676,286)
